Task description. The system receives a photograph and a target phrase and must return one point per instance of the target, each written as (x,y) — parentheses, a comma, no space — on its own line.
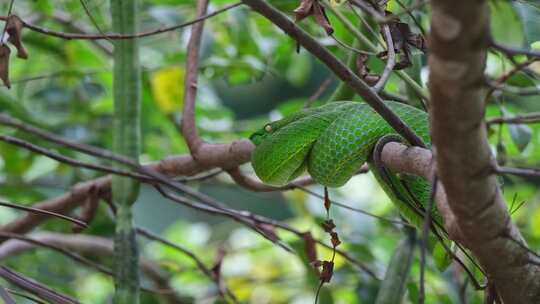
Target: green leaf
(505,24)
(441,257)
(521,135)
(413,292)
(529,13)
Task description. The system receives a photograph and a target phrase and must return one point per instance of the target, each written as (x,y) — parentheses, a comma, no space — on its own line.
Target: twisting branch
(189,128)
(390,60)
(116,36)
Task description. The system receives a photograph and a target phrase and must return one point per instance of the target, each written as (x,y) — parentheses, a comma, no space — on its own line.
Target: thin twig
(35,288)
(5,296)
(68,253)
(409,10)
(116,36)
(70,161)
(525,172)
(518,119)
(23,295)
(390,61)
(503,78)
(350,48)
(5,25)
(223,290)
(318,93)
(91,17)
(370,10)
(45,212)
(513,51)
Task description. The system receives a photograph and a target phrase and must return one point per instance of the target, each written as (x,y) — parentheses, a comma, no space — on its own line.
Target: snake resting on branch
(331,142)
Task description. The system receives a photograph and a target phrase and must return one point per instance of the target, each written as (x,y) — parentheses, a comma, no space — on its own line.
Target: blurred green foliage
(250,72)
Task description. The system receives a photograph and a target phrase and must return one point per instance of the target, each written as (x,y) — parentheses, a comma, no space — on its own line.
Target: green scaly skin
(332,142)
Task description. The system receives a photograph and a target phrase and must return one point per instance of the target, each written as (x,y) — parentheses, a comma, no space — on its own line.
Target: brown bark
(458,47)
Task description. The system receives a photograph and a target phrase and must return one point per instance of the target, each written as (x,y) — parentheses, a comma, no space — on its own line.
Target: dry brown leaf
(315,9)
(4,64)
(14,28)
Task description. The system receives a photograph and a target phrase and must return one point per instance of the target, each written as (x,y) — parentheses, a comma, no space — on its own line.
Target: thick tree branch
(189,128)
(458,43)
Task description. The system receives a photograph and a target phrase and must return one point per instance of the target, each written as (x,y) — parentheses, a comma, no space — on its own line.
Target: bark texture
(458,46)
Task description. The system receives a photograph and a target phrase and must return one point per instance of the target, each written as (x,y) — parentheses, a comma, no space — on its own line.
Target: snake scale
(332,142)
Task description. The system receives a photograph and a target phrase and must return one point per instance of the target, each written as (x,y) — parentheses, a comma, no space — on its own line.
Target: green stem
(393,285)
(373,48)
(343,91)
(126,135)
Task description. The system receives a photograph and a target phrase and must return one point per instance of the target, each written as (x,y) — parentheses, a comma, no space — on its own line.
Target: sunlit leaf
(168,89)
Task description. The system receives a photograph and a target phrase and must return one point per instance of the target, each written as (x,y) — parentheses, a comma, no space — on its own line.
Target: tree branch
(189,128)
(340,69)
(117,36)
(458,43)
(89,245)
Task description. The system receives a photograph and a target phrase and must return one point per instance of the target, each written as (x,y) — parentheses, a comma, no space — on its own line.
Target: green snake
(332,142)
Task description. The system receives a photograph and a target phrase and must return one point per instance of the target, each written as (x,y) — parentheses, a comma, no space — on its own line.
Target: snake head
(260,135)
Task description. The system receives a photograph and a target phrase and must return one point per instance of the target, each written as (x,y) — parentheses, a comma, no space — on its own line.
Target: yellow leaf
(168,89)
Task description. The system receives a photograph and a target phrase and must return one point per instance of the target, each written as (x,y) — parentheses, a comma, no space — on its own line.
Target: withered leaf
(314,8)
(402,37)
(310,248)
(335,239)
(4,64)
(14,28)
(364,72)
(304,10)
(328,225)
(327,202)
(327,271)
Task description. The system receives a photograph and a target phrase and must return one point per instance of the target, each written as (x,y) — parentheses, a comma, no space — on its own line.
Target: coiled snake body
(332,142)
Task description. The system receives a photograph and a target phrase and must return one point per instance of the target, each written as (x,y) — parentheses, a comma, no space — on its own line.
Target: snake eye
(268,128)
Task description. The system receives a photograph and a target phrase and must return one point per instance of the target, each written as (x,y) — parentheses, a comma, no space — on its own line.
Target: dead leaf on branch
(327,271)
(402,38)
(314,8)
(364,72)
(4,64)
(14,28)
